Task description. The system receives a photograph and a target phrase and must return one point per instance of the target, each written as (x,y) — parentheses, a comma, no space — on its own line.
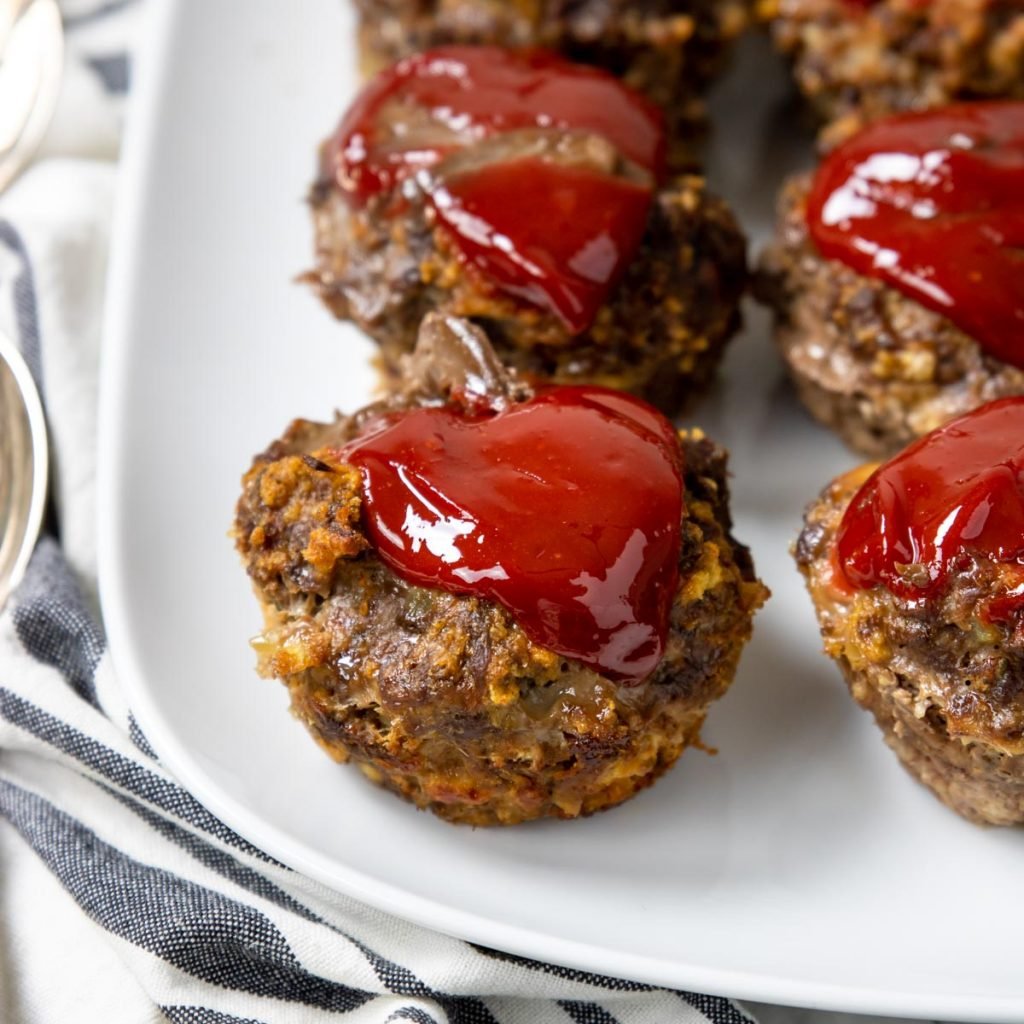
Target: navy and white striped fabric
(123,898)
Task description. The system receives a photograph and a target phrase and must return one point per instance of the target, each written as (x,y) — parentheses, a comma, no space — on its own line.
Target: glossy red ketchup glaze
(553,234)
(473,92)
(553,264)
(565,509)
(959,491)
(933,204)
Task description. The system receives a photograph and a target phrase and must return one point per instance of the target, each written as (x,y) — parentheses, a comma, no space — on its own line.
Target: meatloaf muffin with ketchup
(669,50)
(858,60)
(500,603)
(897,274)
(916,569)
(529,195)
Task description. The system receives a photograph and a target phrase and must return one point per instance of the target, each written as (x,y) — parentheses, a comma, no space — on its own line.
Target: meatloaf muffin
(550,223)
(441,694)
(916,574)
(899,303)
(857,60)
(667,49)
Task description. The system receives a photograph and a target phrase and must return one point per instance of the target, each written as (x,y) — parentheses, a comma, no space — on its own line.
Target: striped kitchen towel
(122,899)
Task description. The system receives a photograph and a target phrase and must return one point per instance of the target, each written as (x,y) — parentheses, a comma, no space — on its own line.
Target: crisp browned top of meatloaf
(399,27)
(870,363)
(660,334)
(442,697)
(858,63)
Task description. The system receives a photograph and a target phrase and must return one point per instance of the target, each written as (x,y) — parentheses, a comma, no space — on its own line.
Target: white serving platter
(800,865)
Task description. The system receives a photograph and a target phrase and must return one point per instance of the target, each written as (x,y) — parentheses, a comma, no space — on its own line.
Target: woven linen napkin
(123,898)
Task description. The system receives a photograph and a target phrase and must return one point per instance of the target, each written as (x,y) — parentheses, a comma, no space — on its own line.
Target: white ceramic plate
(801,865)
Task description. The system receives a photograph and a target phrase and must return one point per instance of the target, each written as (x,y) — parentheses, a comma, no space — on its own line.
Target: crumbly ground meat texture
(859,63)
(667,49)
(660,335)
(442,698)
(869,363)
(945,686)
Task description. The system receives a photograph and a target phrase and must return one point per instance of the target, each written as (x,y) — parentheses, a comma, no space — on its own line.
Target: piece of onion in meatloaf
(669,50)
(916,571)
(896,274)
(547,219)
(857,60)
(443,697)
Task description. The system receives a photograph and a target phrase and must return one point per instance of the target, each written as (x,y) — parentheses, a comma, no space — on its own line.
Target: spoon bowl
(24,461)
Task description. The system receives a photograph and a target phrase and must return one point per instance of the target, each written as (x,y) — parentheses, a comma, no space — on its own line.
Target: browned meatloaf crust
(858,63)
(667,49)
(871,364)
(443,698)
(945,686)
(660,335)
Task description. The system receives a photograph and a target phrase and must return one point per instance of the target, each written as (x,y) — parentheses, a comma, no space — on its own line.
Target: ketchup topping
(933,204)
(549,227)
(957,492)
(569,249)
(453,96)
(565,509)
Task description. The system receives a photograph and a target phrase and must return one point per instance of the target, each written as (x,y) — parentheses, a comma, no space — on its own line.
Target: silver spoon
(24,461)
(31,65)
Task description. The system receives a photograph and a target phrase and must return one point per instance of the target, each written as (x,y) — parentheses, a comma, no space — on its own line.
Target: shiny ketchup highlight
(540,228)
(569,248)
(932,203)
(565,509)
(957,492)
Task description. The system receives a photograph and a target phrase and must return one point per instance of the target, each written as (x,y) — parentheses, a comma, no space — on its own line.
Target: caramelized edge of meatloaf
(661,334)
(871,364)
(945,686)
(441,697)
(856,65)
